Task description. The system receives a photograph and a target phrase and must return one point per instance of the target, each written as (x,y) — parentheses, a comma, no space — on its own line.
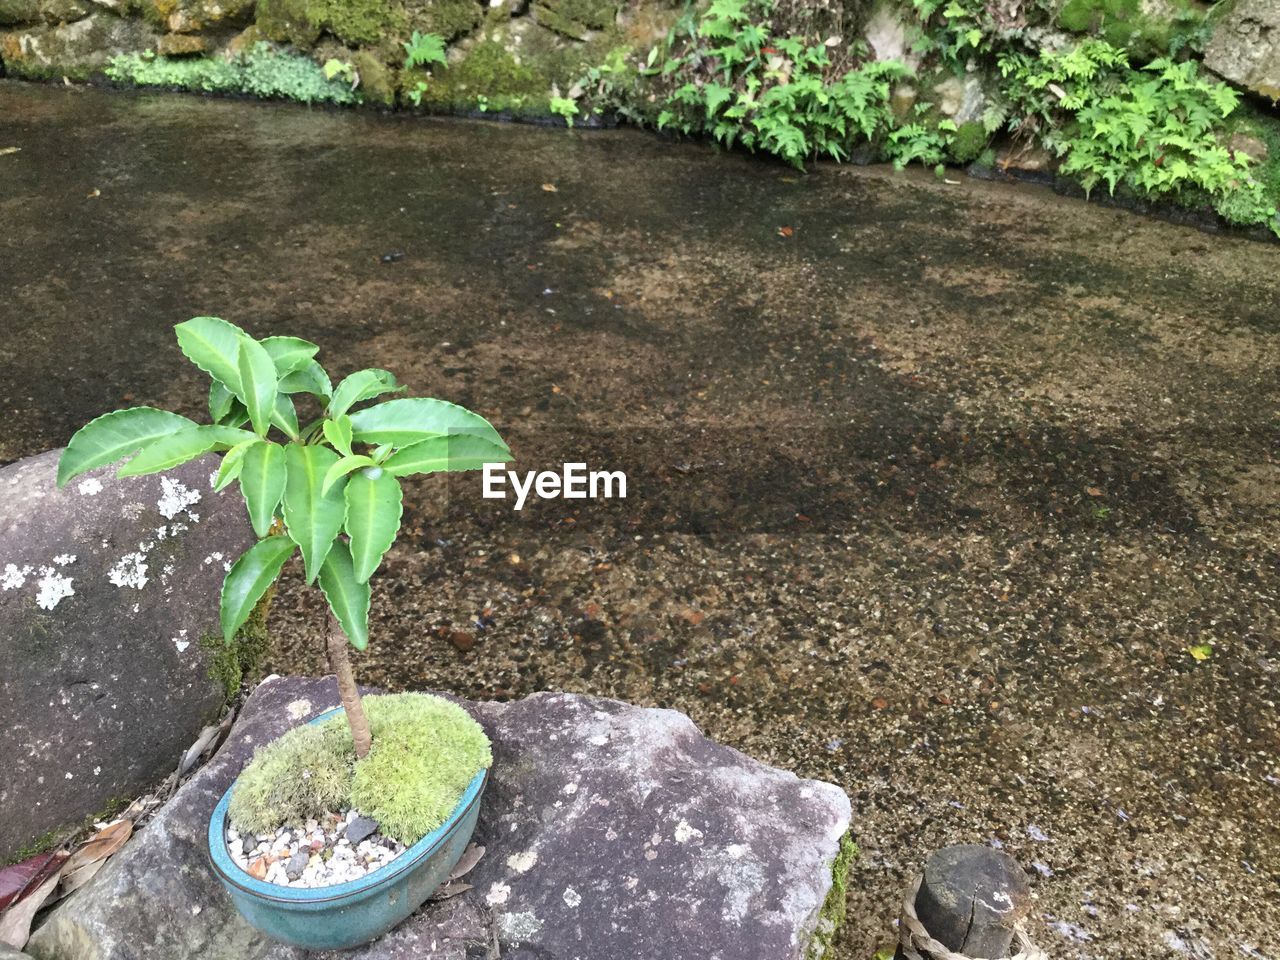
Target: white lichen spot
(572,898)
(64,559)
(130,571)
(53,588)
(299,709)
(181,641)
(736,851)
(69,775)
(13,576)
(90,487)
(176,497)
(599,740)
(522,862)
(631,883)
(97,771)
(517,928)
(569,789)
(498,894)
(213,479)
(685,832)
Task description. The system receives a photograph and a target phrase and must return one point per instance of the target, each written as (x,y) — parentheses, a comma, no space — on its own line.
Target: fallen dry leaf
(786,231)
(467,862)
(1093,491)
(549,187)
(5,151)
(21,878)
(15,923)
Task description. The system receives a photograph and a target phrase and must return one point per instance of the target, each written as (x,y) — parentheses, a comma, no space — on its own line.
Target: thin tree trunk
(340,664)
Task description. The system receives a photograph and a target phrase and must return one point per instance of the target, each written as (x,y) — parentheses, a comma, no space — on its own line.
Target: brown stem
(340,664)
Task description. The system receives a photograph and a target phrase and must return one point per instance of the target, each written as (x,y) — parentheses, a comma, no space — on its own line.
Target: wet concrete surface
(930,497)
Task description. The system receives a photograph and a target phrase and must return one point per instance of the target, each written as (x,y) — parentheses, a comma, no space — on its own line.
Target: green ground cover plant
(262,71)
(327,488)
(1160,130)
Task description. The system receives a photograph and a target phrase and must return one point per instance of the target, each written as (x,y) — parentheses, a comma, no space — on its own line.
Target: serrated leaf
(360,386)
(338,432)
(262,483)
(313,516)
(232,463)
(309,378)
(220,400)
(248,579)
(373,518)
(213,345)
(285,416)
(258,383)
(178,448)
(344,467)
(413,419)
(114,436)
(348,598)
(289,353)
(440,454)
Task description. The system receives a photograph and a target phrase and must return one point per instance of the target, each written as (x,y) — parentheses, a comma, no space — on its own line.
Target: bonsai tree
(330,489)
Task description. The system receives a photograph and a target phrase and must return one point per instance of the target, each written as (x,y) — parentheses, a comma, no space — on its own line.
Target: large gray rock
(106,589)
(1245,46)
(611,832)
(76,50)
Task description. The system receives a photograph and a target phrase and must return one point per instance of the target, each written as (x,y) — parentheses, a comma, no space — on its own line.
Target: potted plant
(340,828)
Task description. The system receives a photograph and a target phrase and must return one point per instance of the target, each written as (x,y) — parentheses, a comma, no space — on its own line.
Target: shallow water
(928,498)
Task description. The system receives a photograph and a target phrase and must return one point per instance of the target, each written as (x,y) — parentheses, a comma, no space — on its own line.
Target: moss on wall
(232,665)
(831,917)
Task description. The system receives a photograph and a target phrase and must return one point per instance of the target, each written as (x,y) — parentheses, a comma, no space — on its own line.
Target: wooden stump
(970,898)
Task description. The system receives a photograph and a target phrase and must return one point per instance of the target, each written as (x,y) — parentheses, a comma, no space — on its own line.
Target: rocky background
(515,56)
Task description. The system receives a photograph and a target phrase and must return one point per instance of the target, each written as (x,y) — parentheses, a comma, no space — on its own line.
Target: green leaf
(248,579)
(258,382)
(410,420)
(348,597)
(343,467)
(338,432)
(285,416)
(213,345)
(361,385)
(313,516)
(439,454)
(114,436)
(231,465)
(309,378)
(180,447)
(289,353)
(220,401)
(262,483)
(373,518)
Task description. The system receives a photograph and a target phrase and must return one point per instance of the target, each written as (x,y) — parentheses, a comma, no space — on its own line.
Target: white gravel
(312,854)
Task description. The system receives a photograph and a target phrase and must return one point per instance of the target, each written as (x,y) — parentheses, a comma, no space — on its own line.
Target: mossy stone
(575,18)
(377,80)
(353,22)
(832,915)
(1145,32)
(19,12)
(968,142)
(447,18)
(63,11)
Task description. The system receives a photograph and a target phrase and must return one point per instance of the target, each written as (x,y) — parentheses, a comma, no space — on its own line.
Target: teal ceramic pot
(347,914)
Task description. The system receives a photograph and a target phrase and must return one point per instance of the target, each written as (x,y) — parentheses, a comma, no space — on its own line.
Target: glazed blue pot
(347,914)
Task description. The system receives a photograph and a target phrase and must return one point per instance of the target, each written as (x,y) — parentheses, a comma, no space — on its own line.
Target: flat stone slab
(612,832)
(106,589)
